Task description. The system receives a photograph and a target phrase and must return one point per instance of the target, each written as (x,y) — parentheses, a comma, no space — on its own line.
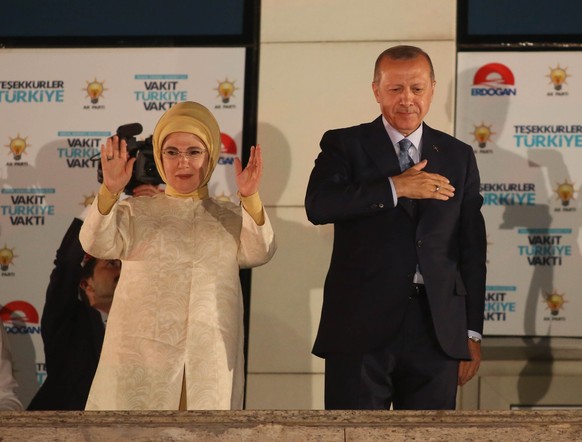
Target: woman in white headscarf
(174,337)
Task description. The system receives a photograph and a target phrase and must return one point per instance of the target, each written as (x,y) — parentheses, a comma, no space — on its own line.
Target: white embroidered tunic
(178,309)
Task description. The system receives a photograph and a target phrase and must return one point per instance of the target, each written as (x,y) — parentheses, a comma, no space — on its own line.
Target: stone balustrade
(258,426)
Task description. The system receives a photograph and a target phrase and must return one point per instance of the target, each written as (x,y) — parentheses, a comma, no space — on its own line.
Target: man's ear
(83,284)
(375,91)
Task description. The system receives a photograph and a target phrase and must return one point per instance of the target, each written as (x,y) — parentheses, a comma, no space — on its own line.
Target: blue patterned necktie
(404,156)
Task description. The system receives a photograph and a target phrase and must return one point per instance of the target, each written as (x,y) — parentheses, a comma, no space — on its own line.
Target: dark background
(527,22)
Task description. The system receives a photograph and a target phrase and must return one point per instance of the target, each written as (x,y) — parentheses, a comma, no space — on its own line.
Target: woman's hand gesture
(248,180)
(116,164)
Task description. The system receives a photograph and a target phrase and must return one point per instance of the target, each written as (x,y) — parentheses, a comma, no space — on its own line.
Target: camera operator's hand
(248,180)
(116,164)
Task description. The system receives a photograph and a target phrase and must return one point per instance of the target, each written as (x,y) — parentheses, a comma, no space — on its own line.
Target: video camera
(144,169)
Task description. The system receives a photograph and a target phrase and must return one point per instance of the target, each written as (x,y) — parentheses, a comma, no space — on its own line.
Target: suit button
(374,206)
(419,243)
(381,206)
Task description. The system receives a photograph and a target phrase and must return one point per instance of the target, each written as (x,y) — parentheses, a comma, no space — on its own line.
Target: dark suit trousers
(410,373)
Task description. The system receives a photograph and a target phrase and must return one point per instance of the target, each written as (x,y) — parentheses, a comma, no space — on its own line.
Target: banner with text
(519,111)
(57,106)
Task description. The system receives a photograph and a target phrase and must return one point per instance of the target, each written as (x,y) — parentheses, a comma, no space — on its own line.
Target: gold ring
(436,188)
(109,158)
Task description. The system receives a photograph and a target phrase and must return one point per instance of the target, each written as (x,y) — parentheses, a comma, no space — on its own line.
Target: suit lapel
(434,154)
(377,144)
(379,147)
(431,151)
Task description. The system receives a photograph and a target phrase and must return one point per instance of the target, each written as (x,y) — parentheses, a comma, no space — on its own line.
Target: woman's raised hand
(248,180)
(116,164)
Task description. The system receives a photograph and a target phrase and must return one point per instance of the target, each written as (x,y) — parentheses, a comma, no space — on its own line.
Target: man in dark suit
(403,305)
(78,300)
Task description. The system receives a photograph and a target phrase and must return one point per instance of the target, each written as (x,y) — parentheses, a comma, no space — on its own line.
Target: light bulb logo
(555,301)
(226,89)
(6,257)
(88,200)
(18,146)
(565,192)
(558,77)
(95,90)
(482,134)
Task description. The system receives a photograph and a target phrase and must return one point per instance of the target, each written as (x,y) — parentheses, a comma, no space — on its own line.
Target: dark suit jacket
(377,245)
(72,333)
